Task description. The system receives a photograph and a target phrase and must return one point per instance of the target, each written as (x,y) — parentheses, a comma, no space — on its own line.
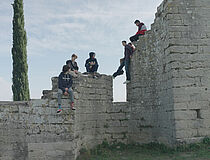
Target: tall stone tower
(169,94)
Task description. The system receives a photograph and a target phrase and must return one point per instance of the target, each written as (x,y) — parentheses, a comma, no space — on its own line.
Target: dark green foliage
(20,85)
(206,140)
(151,151)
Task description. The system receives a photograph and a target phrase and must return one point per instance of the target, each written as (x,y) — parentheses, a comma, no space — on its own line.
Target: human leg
(134,38)
(60,93)
(95,68)
(73,74)
(71,95)
(127,69)
(87,69)
(119,70)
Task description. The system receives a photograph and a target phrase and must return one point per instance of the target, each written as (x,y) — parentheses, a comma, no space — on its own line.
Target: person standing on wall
(65,87)
(91,65)
(73,65)
(125,62)
(141,30)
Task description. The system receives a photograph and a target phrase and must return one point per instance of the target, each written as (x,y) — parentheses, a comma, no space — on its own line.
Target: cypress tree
(20,86)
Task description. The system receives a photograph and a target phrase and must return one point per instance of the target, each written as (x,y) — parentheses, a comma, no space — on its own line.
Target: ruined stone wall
(97,118)
(168,93)
(33,130)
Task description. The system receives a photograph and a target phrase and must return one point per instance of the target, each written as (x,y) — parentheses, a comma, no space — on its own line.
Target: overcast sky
(57,28)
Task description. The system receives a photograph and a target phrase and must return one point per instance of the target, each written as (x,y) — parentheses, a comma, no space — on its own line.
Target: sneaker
(126,82)
(59,111)
(72,106)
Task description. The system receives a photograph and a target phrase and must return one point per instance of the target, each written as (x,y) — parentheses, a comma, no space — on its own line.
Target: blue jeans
(126,63)
(60,93)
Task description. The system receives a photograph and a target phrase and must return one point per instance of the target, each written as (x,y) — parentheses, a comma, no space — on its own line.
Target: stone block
(185,115)
(186,133)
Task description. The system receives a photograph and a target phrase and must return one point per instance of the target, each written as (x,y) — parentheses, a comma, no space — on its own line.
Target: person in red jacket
(141,30)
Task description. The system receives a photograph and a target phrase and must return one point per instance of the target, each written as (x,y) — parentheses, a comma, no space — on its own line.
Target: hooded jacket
(141,29)
(64,81)
(91,59)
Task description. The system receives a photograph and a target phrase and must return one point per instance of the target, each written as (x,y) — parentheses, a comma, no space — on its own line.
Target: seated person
(141,30)
(73,65)
(91,64)
(65,87)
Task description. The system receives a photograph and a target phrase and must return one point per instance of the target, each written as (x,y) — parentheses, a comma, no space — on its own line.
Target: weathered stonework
(169,93)
(33,130)
(167,99)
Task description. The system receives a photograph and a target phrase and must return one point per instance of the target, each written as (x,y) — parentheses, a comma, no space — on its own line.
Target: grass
(152,151)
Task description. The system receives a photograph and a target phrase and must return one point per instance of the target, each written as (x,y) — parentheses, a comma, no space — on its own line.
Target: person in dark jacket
(91,63)
(141,30)
(125,62)
(73,65)
(65,87)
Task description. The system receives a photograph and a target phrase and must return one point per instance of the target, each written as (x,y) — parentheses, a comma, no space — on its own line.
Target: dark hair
(74,55)
(130,43)
(91,54)
(123,41)
(65,68)
(137,21)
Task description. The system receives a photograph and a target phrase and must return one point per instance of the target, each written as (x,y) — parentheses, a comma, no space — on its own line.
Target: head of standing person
(73,57)
(124,43)
(92,55)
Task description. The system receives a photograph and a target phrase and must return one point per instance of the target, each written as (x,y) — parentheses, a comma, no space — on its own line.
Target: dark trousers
(126,63)
(135,37)
(94,68)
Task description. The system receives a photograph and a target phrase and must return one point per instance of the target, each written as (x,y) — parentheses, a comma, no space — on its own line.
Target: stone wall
(190,67)
(169,91)
(150,91)
(97,118)
(33,130)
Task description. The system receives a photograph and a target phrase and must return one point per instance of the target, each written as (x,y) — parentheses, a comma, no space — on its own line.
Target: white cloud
(84,21)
